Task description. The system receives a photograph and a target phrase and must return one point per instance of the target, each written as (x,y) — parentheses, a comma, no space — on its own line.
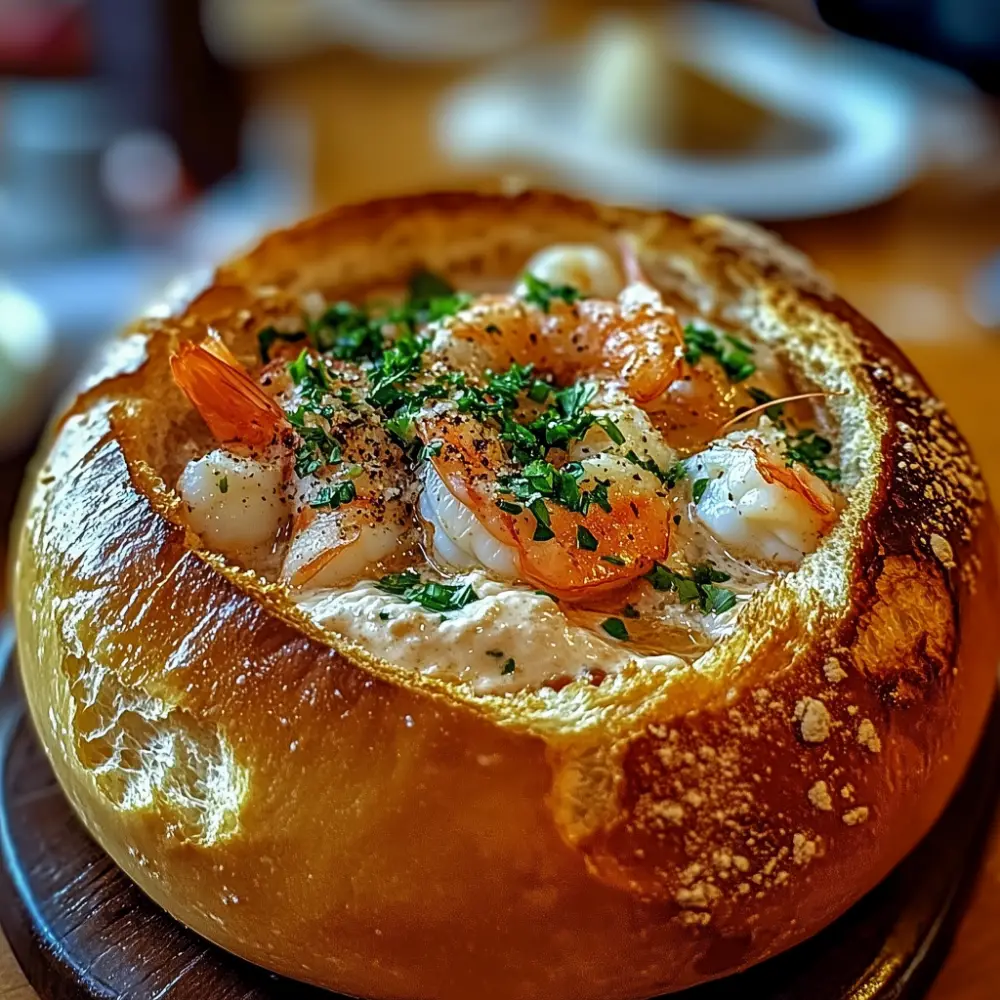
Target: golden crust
(340,820)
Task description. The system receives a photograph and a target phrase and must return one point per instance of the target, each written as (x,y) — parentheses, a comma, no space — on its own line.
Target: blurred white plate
(537,109)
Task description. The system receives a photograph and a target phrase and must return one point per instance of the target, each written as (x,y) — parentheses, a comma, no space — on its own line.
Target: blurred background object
(961,33)
(265,30)
(710,107)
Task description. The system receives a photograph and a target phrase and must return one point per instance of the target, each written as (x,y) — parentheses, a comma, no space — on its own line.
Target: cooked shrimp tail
(235,407)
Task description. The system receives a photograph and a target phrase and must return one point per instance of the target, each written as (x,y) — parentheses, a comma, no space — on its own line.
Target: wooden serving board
(82,931)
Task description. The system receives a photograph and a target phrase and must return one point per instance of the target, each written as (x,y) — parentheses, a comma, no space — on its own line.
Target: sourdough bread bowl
(358,824)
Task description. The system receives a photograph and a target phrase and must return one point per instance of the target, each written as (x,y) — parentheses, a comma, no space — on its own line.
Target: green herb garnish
(267,337)
(540,293)
(760,396)
(700,586)
(224,484)
(630,611)
(429,298)
(540,481)
(319,447)
(585,540)
(615,627)
(543,521)
(733,354)
(698,488)
(717,599)
(348,332)
(811,450)
(508,666)
(611,429)
(439,597)
(334,496)
(539,391)
(669,477)
(430,450)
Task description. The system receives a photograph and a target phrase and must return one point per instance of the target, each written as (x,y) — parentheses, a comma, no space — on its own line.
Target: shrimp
(757,504)
(240,497)
(584,554)
(333,547)
(235,503)
(458,539)
(235,495)
(635,338)
(368,517)
(235,407)
(582,266)
(635,429)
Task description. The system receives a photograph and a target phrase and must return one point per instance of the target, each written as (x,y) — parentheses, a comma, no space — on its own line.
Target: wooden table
(904,263)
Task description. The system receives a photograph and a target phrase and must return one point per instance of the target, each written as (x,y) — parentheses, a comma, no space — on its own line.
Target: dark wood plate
(82,930)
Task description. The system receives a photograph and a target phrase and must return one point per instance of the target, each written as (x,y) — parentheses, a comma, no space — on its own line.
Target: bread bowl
(392,831)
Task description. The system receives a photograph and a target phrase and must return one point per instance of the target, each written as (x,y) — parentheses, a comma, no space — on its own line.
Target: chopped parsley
(354,333)
(759,396)
(585,540)
(564,420)
(700,586)
(398,365)
(267,337)
(540,481)
(806,446)
(698,488)
(429,450)
(811,450)
(425,286)
(508,666)
(319,447)
(311,375)
(539,391)
(568,419)
(439,597)
(543,521)
(615,627)
(611,429)
(614,560)
(630,611)
(506,386)
(429,298)
(734,355)
(540,293)
(348,332)
(669,477)
(334,496)
(224,484)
